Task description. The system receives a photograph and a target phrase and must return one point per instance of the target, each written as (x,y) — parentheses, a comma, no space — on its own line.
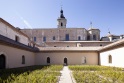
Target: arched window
(48,60)
(2,61)
(110,59)
(65,61)
(94,37)
(83,60)
(23,59)
(61,24)
(79,38)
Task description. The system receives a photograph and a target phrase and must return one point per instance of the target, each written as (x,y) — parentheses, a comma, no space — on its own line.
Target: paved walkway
(66,76)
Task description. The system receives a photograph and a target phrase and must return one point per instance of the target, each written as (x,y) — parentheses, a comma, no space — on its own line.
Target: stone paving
(66,76)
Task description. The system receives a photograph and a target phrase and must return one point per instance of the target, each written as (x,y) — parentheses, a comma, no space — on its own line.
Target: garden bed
(33,74)
(97,74)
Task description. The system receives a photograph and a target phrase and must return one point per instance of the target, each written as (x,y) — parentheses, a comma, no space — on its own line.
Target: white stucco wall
(14,57)
(117,57)
(74,58)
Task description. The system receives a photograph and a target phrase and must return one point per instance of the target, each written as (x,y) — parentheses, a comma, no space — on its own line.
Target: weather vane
(108,31)
(91,24)
(61,4)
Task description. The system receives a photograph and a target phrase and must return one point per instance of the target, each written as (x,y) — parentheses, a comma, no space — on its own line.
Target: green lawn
(97,74)
(32,74)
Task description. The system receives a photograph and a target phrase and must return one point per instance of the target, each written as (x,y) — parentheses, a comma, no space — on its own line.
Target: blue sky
(104,14)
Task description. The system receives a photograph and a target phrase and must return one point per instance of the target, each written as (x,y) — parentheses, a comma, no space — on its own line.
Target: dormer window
(17,38)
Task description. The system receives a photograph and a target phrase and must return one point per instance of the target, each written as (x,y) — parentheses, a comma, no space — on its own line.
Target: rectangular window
(94,37)
(35,39)
(67,37)
(79,38)
(88,37)
(44,39)
(54,38)
(17,38)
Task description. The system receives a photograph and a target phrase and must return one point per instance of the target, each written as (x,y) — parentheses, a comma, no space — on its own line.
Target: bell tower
(62,20)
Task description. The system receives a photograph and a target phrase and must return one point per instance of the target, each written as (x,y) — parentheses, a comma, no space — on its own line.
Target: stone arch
(65,61)
(110,59)
(2,61)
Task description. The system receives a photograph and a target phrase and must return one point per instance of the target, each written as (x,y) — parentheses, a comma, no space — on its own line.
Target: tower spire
(62,20)
(61,13)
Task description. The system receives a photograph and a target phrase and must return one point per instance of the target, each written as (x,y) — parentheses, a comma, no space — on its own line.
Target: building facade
(61,33)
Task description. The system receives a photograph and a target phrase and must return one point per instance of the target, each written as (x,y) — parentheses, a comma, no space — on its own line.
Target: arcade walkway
(66,76)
